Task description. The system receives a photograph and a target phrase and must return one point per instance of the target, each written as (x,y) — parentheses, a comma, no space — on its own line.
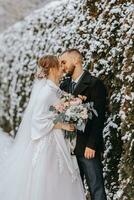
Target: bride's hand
(68,127)
(65,126)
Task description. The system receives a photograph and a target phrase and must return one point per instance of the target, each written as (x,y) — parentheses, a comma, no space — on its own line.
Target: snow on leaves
(104,32)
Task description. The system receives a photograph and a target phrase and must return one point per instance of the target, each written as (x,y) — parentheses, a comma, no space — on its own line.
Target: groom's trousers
(91,169)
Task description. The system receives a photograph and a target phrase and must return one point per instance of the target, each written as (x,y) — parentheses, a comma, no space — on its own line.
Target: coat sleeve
(65,84)
(98,96)
(42,119)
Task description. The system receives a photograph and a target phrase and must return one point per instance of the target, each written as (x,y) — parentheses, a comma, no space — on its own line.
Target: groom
(89,145)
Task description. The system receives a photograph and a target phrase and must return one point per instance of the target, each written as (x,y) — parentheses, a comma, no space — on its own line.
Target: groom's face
(67,63)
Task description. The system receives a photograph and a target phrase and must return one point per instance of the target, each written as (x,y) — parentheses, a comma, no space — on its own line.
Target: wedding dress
(39,165)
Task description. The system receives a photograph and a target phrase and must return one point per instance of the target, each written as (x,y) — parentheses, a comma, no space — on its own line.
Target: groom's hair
(75,52)
(72,51)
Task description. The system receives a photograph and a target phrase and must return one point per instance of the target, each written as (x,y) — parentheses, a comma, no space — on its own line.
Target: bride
(39,165)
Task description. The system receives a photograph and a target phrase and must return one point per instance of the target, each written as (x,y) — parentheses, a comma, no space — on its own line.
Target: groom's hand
(83,98)
(89,153)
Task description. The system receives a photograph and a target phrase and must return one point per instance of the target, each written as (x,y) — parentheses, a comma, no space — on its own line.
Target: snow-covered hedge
(104,32)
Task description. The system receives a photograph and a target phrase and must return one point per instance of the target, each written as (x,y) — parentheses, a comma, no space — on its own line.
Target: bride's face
(58,72)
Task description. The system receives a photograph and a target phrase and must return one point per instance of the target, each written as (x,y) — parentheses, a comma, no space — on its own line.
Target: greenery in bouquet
(71,109)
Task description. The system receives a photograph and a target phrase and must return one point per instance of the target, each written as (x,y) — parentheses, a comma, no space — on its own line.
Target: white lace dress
(39,165)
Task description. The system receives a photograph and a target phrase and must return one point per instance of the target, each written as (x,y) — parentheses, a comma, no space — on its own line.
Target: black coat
(94,90)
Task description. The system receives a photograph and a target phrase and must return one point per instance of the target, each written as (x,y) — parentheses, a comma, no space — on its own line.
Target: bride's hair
(44,65)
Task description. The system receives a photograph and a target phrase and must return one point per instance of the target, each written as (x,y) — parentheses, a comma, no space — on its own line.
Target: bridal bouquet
(71,109)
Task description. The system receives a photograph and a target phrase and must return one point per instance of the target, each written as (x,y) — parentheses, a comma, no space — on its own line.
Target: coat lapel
(83,83)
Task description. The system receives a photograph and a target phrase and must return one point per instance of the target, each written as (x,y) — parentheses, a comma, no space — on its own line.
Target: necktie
(73,83)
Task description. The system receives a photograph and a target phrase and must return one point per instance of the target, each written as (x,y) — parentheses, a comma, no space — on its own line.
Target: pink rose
(59,107)
(66,104)
(75,101)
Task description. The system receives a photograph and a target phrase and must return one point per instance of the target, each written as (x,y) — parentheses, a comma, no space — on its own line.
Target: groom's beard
(71,71)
